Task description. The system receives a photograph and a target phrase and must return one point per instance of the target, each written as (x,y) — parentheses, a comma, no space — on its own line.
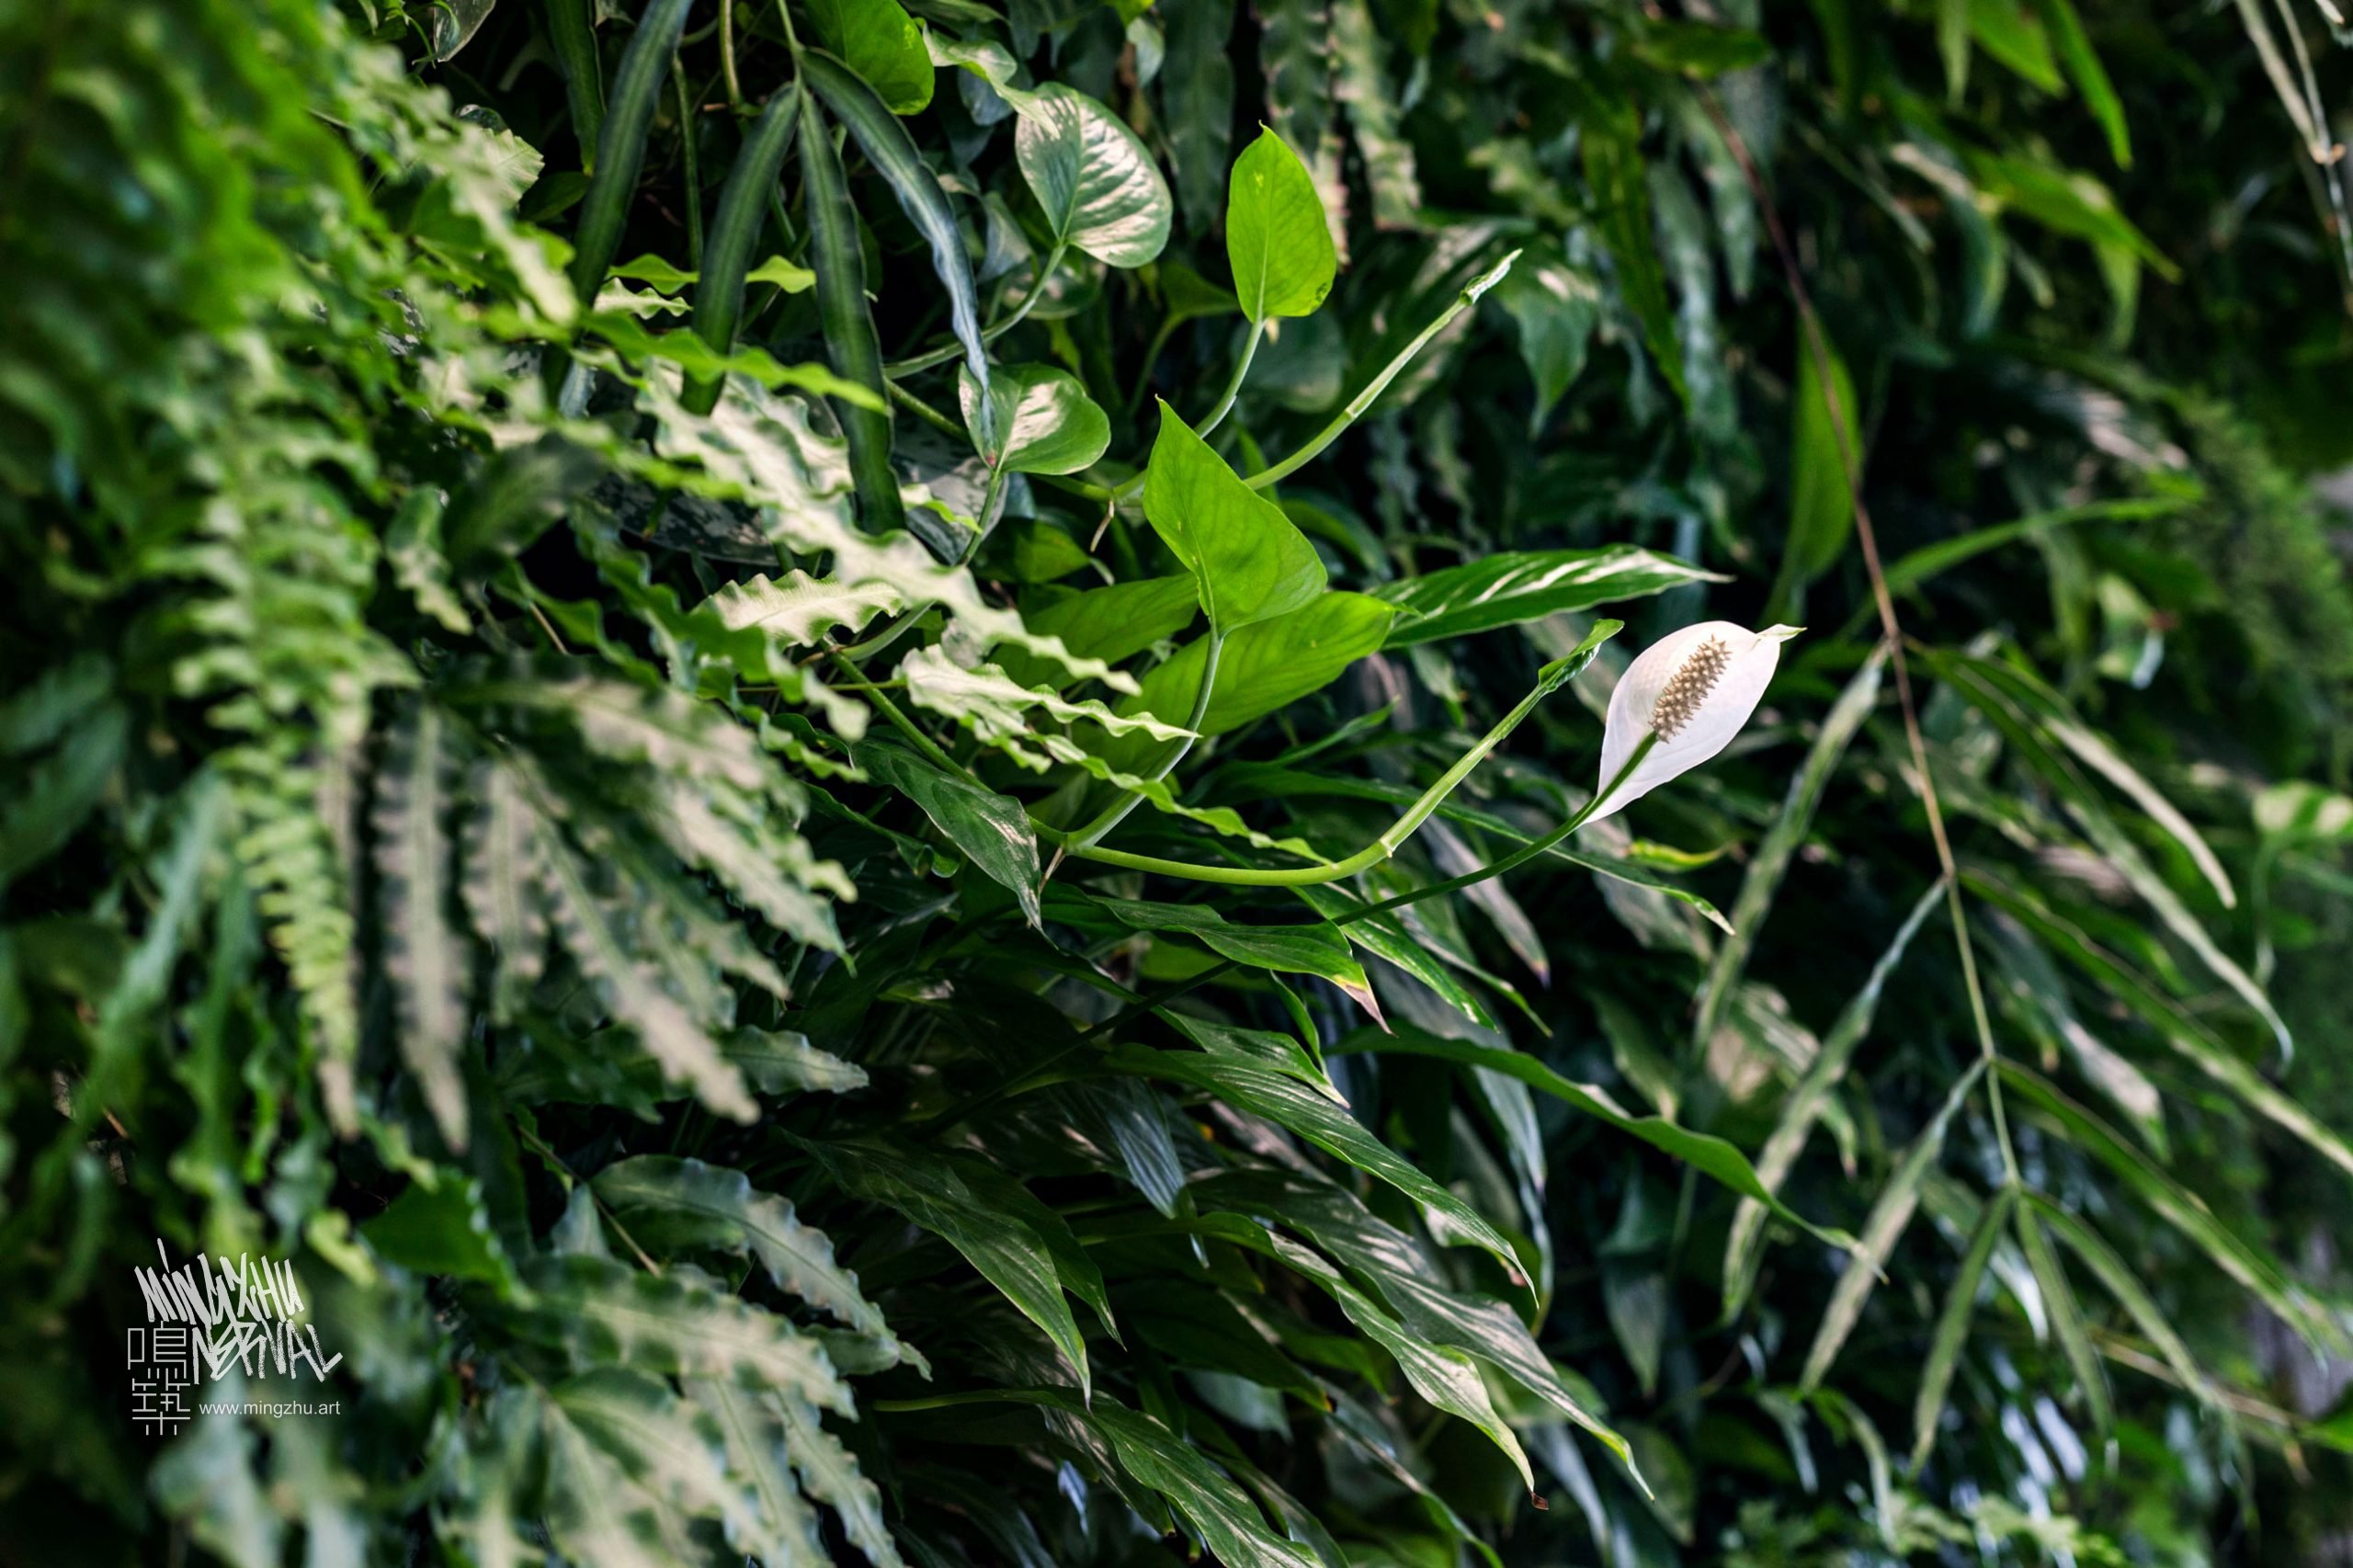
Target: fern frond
(423,954)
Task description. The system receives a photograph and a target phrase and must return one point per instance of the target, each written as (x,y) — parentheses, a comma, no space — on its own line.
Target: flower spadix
(1693,689)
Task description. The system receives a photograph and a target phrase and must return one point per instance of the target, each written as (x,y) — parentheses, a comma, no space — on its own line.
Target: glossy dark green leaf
(893,152)
(742,209)
(621,141)
(992,831)
(1318,949)
(850,342)
(1285,1100)
(571,34)
(1512,586)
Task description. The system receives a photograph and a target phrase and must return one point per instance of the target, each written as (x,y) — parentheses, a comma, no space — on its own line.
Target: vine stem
(1234,385)
(1041,1074)
(1818,349)
(1381,848)
(1117,812)
(900,722)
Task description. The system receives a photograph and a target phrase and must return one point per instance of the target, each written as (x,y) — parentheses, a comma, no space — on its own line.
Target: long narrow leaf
(620,141)
(850,342)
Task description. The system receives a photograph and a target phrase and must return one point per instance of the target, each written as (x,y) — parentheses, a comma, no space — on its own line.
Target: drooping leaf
(1889,1216)
(991,830)
(1509,588)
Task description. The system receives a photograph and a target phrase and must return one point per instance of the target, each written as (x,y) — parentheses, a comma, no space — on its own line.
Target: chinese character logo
(203,1317)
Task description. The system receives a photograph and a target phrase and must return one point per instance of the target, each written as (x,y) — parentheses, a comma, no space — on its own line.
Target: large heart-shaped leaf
(1095,181)
(1275,233)
(878,40)
(1036,420)
(1520,585)
(1249,562)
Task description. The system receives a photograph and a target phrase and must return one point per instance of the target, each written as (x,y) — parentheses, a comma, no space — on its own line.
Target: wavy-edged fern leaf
(423,952)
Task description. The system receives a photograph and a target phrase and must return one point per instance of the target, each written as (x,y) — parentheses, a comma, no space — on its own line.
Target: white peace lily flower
(1694,689)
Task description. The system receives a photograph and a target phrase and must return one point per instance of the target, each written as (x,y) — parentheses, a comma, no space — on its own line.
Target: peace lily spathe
(1694,689)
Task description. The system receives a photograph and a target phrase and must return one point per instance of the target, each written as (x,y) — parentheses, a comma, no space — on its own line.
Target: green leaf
(2090,75)
(1889,1216)
(878,40)
(1953,1326)
(1037,419)
(2240,1259)
(1248,560)
(1510,587)
(620,141)
(1556,308)
(2066,202)
(423,955)
(850,342)
(1268,666)
(2184,1034)
(1821,505)
(442,1229)
(1708,1155)
(988,702)
(1698,48)
(775,1523)
(893,152)
(2066,1315)
(1281,1098)
(672,1202)
(1781,841)
(743,210)
(1116,622)
(1318,949)
(60,793)
(2131,1295)
(1276,238)
(629,1463)
(991,830)
(603,1312)
(1807,1102)
(1340,1223)
(573,39)
(1095,181)
(999,1240)
(782,274)
(1620,181)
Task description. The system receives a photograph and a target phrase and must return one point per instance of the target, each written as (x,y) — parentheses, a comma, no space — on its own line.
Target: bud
(1693,689)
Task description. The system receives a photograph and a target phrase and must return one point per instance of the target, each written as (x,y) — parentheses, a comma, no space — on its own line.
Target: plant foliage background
(713,704)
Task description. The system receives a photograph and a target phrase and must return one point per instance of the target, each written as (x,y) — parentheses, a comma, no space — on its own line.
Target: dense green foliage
(830,748)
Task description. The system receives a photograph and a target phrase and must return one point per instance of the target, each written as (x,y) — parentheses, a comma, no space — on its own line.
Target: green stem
(990,500)
(1373,854)
(694,166)
(1358,404)
(900,722)
(1233,387)
(1081,842)
(1371,393)
(922,410)
(727,53)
